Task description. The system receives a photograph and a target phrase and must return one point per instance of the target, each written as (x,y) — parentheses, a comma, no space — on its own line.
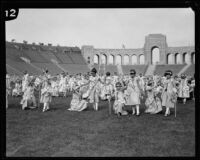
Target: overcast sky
(102,28)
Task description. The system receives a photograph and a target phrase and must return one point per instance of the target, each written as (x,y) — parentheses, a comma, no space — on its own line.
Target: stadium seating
(34,56)
(70,59)
(52,68)
(63,58)
(12,70)
(126,68)
(191,70)
(54,58)
(22,66)
(49,56)
(138,68)
(176,68)
(74,68)
(13,54)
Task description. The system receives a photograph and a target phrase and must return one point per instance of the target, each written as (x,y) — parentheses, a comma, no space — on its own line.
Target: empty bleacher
(191,70)
(34,56)
(176,68)
(138,68)
(22,66)
(12,70)
(40,56)
(63,58)
(49,56)
(52,68)
(13,54)
(74,68)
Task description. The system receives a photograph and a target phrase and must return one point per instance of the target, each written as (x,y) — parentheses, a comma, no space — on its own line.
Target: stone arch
(186,58)
(103,59)
(134,59)
(118,59)
(193,58)
(96,59)
(111,59)
(126,59)
(155,55)
(141,59)
(184,55)
(170,58)
(178,58)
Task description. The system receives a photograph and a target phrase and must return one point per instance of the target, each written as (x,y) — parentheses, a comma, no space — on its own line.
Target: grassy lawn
(61,133)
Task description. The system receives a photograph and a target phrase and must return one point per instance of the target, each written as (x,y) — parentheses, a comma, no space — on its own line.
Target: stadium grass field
(62,133)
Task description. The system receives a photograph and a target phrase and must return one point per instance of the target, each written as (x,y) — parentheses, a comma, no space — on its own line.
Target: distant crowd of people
(157,91)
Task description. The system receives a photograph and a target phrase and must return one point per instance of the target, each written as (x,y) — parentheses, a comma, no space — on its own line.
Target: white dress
(77,104)
(183,89)
(62,85)
(133,92)
(25,82)
(119,103)
(28,97)
(94,90)
(169,96)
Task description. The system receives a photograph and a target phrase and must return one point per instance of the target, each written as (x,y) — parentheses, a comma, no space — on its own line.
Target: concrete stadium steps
(75,68)
(34,56)
(49,56)
(22,66)
(52,68)
(13,54)
(63,58)
(160,69)
(77,58)
(190,70)
(138,68)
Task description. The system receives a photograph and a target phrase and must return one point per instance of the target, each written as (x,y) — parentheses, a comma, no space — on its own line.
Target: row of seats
(125,68)
(160,69)
(191,70)
(41,54)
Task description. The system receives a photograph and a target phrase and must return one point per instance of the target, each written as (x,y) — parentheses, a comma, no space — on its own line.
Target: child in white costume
(77,103)
(63,84)
(55,87)
(119,100)
(94,89)
(183,89)
(28,97)
(25,81)
(169,94)
(153,102)
(46,95)
(133,92)
(18,89)
(107,88)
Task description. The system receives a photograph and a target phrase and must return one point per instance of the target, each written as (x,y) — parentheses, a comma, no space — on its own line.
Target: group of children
(125,90)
